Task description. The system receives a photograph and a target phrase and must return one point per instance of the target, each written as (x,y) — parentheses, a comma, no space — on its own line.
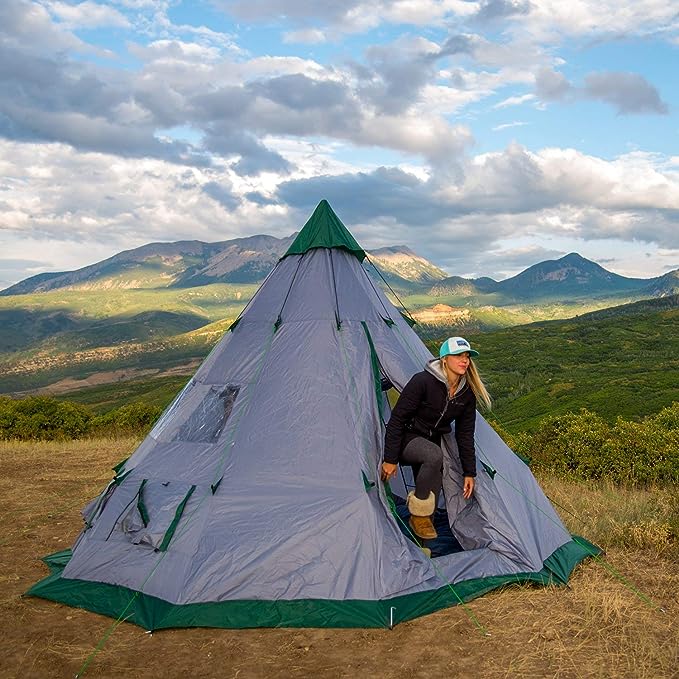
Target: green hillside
(80,318)
(57,372)
(124,345)
(157,391)
(618,362)
(60,334)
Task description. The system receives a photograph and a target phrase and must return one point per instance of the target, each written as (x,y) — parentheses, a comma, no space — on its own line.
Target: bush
(41,418)
(135,419)
(584,446)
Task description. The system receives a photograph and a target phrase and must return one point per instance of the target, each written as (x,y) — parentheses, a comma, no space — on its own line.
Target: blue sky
(485,135)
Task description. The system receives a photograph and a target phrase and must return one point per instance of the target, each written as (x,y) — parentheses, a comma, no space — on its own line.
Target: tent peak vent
(325,229)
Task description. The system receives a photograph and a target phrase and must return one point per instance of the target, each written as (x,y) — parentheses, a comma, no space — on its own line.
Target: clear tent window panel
(208,420)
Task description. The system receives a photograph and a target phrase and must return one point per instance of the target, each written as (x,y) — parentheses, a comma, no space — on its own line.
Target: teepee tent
(256,500)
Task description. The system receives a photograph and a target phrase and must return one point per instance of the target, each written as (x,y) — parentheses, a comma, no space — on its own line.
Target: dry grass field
(597,627)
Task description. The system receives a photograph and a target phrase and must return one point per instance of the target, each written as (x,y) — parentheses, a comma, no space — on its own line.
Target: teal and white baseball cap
(456,345)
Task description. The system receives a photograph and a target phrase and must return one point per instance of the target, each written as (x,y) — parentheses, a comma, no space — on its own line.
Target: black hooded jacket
(424,409)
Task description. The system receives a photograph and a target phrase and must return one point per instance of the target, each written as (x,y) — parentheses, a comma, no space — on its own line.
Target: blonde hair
(474,380)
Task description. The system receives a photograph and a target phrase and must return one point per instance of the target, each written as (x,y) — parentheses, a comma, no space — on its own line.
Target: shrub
(40,418)
(134,419)
(582,445)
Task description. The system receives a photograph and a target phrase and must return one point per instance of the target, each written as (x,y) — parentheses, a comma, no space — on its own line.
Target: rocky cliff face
(404,263)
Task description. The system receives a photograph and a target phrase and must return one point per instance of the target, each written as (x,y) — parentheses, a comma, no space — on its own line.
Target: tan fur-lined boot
(421,512)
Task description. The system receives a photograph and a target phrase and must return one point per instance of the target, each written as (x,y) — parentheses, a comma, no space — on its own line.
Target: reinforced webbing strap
(119,478)
(175,521)
(338,319)
(118,468)
(141,507)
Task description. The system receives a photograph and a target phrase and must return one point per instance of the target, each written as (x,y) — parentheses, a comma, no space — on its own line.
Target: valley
(136,326)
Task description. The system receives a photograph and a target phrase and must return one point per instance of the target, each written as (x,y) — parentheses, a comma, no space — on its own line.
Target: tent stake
(391,617)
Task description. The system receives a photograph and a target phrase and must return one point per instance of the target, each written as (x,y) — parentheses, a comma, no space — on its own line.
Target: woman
(445,392)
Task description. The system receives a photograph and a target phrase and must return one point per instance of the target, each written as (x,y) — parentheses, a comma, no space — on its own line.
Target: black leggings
(426,459)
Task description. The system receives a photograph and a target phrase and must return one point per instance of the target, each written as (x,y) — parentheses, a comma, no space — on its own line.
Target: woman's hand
(468,488)
(388,470)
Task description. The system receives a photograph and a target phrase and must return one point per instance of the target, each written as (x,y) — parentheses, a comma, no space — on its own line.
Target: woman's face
(458,363)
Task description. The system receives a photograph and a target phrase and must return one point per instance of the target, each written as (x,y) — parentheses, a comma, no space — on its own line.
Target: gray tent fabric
(256,500)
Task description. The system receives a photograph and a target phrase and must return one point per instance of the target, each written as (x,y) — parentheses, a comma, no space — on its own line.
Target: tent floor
(444,544)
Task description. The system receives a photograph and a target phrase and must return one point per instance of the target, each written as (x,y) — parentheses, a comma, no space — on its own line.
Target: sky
(485,135)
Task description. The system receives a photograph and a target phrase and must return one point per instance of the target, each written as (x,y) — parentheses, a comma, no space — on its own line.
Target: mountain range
(570,277)
(160,307)
(189,264)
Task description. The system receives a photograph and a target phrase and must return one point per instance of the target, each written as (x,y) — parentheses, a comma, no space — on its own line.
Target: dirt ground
(597,627)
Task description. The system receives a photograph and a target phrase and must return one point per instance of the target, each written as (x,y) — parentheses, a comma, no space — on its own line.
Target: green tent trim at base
(153,613)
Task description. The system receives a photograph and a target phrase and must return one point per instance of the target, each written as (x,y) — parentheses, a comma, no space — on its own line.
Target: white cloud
(423,12)
(505,126)
(628,92)
(28,24)
(219,134)
(553,20)
(87,14)
(271,66)
(122,203)
(544,21)
(512,194)
(475,86)
(175,52)
(310,158)
(515,101)
(142,4)
(349,16)
(504,196)
(434,138)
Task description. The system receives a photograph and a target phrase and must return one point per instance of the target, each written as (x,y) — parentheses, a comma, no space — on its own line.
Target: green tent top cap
(324,229)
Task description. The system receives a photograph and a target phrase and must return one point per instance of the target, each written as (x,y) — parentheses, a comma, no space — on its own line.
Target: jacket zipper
(443,412)
(445,408)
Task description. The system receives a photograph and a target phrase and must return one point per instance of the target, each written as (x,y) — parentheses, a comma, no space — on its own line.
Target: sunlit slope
(622,361)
